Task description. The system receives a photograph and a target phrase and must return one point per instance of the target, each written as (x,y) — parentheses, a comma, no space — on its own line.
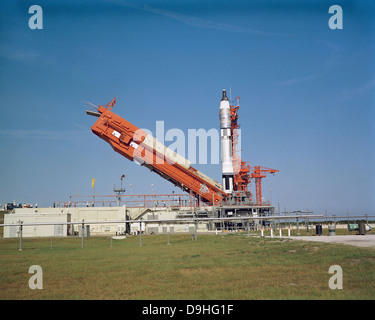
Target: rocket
(226,144)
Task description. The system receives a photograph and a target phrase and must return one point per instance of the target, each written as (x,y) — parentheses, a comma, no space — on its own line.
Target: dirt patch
(193,271)
(353,262)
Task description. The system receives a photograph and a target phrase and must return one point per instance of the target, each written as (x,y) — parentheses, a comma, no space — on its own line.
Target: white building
(112,215)
(38,230)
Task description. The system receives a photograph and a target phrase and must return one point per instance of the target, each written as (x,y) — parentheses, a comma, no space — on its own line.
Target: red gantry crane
(258,173)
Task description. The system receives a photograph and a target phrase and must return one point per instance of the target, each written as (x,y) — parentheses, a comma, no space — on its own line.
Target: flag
(93,183)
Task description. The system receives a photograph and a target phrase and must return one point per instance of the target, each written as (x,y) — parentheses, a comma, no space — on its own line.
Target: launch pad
(177,206)
(204,201)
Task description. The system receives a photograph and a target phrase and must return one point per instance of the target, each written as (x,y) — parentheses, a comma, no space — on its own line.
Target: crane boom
(138,146)
(258,173)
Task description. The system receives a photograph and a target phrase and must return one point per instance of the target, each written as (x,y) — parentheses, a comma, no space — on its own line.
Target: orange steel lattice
(241,179)
(136,145)
(242,169)
(258,173)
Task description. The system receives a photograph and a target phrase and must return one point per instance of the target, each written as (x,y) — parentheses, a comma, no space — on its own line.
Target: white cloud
(297,80)
(358,91)
(201,23)
(18,55)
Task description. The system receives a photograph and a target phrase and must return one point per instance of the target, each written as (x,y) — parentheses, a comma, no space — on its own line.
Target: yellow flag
(93,183)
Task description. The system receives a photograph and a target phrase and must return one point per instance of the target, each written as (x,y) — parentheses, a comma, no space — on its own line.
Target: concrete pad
(367,240)
(118,237)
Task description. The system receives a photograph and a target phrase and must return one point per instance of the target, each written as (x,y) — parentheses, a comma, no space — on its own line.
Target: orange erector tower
(136,145)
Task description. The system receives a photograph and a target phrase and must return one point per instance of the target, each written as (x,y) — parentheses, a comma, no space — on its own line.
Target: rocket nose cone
(224,97)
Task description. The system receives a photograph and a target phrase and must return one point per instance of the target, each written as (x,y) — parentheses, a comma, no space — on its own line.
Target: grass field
(232,267)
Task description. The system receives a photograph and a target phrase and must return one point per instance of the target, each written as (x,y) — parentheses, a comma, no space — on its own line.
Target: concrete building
(51,215)
(90,214)
(38,230)
(111,218)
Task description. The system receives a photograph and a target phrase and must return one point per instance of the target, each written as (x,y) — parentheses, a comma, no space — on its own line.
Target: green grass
(233,267)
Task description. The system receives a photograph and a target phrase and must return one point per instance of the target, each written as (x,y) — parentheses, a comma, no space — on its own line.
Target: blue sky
(307,94)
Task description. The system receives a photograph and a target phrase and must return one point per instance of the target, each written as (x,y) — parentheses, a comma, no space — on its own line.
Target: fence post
(83,231)
(196,227)
(21,227)
(297,227)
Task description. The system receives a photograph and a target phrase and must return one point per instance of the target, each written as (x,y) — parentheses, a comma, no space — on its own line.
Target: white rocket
(226,144)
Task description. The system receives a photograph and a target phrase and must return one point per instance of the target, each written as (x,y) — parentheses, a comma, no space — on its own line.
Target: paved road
(367,240)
